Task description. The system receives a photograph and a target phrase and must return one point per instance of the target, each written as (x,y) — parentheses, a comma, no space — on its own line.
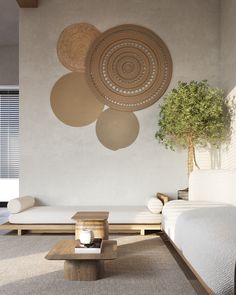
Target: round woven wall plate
(73,45)
(129,67)
(73,102)
(117,130)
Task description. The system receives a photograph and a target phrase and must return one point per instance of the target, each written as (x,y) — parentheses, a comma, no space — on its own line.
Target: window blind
(9,133)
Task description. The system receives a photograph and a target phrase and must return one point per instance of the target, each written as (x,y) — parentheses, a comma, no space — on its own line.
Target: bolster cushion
(155,205)
(20,204)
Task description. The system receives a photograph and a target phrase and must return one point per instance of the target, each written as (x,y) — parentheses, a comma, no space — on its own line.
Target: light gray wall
(225,158)
(66,165)
(9,65)
(9,22)
(228,44)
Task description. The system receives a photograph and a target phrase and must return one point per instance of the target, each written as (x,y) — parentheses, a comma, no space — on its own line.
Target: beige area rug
(144,267)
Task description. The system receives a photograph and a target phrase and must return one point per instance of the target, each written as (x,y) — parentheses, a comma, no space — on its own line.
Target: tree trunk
(190,155)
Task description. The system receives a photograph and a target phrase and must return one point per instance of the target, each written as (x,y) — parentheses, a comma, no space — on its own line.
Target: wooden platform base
(70,228)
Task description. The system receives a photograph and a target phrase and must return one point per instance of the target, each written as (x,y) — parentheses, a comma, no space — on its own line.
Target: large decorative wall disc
(73,102)
(116,130)
(129,67)
(73,45)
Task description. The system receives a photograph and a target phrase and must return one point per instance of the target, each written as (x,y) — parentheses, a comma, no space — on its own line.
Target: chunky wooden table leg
(83,270)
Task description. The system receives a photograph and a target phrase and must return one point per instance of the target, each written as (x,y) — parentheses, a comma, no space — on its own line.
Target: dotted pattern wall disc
(73,102)
(73,45)
(129,67)
(116,130)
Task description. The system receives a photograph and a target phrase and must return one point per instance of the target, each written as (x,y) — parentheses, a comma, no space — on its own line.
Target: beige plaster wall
(228,44)
(66,165)
(9,65)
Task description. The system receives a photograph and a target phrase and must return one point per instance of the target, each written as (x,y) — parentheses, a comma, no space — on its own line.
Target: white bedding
(210,245)
(63,214)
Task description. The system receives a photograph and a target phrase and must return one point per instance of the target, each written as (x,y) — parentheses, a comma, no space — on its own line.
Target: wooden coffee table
(94,220)
(82,267)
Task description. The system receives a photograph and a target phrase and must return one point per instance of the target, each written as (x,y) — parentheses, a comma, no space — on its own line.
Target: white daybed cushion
(208,241)
(155,205)
(63,214)
(20,204)
(173,209)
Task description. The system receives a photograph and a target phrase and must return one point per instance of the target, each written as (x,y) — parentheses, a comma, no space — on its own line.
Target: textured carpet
(144,267)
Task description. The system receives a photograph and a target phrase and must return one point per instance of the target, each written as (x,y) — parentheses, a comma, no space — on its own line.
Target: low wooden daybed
(141,219)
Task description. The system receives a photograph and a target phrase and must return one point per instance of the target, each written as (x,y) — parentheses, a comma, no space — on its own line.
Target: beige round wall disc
(129,67)
(73,45)
(73,102)
(117,130)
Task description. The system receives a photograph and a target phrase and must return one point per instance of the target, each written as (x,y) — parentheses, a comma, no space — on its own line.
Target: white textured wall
(228,71)
(228,157)
(9,65)
(228,44)
(225,158)
(66,165)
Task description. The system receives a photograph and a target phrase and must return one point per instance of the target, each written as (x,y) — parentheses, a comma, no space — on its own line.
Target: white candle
(86,236)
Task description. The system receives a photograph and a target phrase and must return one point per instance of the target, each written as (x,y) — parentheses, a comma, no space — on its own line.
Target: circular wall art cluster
(127,68)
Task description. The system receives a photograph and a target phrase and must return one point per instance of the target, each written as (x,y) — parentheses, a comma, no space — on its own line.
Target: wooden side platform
(70,228)
(201,281)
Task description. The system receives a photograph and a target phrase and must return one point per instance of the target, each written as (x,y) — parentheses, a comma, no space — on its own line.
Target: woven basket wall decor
(129,67)
(73,45)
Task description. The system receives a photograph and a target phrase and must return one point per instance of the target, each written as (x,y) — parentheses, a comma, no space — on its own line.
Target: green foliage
(194,111)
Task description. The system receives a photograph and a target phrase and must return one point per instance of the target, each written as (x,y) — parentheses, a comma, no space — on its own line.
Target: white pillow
(20,204)
(155,205)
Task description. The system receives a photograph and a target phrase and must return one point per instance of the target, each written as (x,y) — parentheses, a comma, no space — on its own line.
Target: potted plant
(194,114)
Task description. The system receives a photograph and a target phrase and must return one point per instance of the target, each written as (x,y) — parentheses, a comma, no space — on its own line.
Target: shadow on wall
(225,157)
(215,158)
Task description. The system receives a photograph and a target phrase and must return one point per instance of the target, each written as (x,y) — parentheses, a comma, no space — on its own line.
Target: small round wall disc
(117,130)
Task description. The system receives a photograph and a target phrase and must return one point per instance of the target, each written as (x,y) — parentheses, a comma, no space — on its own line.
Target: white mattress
(63,214)
(173,209)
